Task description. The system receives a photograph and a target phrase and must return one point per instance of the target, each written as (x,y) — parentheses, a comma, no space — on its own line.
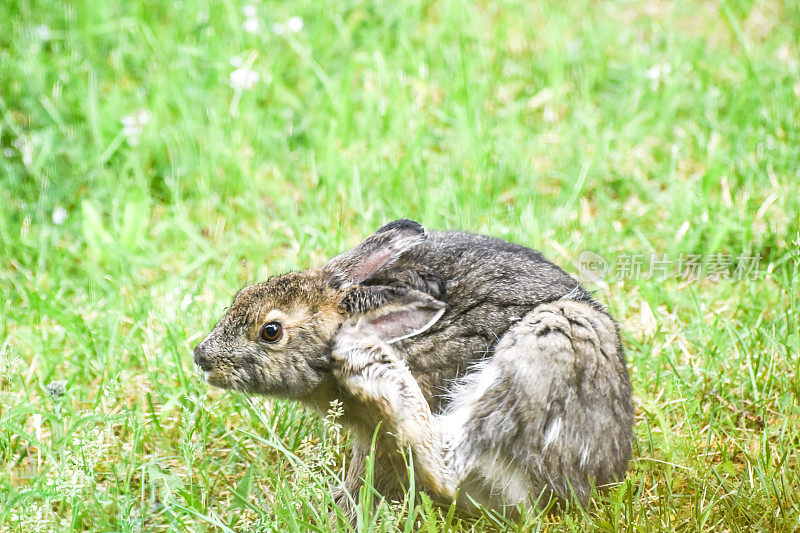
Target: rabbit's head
(276,337)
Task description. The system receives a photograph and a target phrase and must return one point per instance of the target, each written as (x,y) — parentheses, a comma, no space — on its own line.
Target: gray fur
(559,406)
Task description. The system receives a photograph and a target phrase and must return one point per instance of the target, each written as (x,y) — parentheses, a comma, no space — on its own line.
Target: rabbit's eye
(272,332)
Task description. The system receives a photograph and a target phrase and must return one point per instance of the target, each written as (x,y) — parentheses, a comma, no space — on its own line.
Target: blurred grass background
(157,156)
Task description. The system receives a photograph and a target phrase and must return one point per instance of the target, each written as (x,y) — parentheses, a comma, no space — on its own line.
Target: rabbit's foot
(368,369)
(353,353)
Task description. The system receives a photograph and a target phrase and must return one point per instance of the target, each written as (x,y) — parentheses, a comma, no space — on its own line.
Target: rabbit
(500,373)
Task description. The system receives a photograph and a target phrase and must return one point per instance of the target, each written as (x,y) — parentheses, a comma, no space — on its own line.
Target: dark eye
(272,332)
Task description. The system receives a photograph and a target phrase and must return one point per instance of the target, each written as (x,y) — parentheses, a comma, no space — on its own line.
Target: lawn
(157,156)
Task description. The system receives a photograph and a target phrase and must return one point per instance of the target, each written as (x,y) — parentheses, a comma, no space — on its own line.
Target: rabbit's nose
(201,358)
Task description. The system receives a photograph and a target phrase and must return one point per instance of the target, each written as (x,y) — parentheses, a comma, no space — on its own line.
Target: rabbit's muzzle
(202,358)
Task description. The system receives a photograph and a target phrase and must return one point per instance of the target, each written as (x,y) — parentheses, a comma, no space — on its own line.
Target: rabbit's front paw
(370,371)
(353,354)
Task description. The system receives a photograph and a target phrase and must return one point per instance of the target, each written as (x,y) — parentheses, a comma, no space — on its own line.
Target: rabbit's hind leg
(550,412)
(476,427)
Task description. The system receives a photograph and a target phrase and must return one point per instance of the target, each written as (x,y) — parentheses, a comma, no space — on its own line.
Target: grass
(625,128)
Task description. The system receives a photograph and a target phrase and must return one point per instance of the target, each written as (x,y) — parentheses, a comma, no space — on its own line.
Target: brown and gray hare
(498,371)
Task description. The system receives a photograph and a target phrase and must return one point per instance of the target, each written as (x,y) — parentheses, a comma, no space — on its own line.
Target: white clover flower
(657,74)
(25,145)
(59,215)
(249,11)
(129,125)
(243,78)
(133,126)
(278,28)
(44,32)
(294,24)
(250,25)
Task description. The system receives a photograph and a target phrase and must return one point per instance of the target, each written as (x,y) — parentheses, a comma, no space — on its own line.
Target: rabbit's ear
(373,253)
(393,314)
